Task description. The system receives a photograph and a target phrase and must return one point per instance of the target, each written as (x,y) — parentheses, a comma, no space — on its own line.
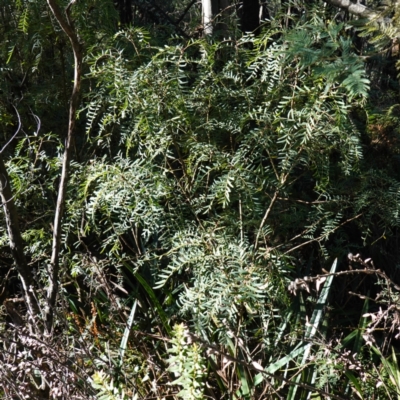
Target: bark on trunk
(207,17)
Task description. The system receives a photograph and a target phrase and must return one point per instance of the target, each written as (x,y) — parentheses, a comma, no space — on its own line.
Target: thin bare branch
(323,235)
(266,216)
(354,8)
(363,11)
(16,132)
(64,21)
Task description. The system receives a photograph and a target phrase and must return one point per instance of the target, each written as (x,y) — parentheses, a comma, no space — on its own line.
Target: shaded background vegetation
(231,218)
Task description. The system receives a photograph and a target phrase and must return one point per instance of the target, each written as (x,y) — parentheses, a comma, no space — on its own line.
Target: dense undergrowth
(231,219)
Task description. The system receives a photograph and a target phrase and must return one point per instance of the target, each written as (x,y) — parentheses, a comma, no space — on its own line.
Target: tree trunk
(207,17)
(250,16)
(125,11)
(224,11)
(15,239)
